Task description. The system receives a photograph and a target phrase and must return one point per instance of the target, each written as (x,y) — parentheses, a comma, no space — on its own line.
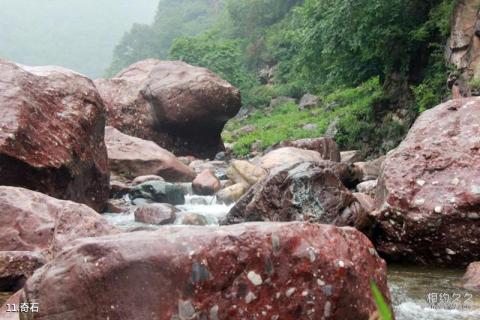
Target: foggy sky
(77,34)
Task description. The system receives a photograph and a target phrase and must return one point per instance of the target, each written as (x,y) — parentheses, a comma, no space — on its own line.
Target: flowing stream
(204,205)
(416,292)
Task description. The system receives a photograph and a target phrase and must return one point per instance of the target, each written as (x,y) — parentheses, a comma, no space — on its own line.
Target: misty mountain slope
(173,19)
(68,32)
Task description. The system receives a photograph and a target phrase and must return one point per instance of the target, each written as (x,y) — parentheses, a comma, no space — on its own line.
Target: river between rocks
(417,292)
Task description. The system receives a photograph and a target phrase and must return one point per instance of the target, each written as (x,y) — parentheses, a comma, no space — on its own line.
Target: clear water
(208,206)
(412,287)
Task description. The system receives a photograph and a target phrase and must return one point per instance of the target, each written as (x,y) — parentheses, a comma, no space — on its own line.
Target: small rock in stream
(159,191)
(156,213)
(193,219)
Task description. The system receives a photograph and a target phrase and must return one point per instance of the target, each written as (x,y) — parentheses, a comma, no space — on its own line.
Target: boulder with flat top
(180,107)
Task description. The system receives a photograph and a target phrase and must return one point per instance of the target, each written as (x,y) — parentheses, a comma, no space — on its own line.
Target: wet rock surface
(219,167)
(16,267)
(232,193)
(159,191)
(193,219)
(244,172)
(326,147)
(300,192)
(180,107)
(143,179)
(368,170)
(206,183)
(288,155)
(351,156)
(463,48)
(471,279)
(118,189)
(51,139)
(268,271)
(156,213)
(132,157)
(368,187)
(429,191)
(31,221)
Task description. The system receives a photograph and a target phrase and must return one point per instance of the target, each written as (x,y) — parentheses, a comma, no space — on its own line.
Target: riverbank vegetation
(377,68)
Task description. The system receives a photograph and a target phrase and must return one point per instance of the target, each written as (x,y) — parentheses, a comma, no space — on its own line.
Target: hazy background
(77,34)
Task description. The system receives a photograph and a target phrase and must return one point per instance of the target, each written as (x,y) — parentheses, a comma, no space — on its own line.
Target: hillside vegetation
(375,64)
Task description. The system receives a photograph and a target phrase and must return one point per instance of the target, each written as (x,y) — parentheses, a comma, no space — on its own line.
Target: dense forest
(374,70)
(77,34)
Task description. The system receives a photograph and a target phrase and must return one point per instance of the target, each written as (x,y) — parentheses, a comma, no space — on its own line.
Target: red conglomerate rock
(261,271)
(428,194)
(327,147)
(180,107)
(16,267)
(133,157)
(52,124)
(304,191)
(206,183)
(31,221)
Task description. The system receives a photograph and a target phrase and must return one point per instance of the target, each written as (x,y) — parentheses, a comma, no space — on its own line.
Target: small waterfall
(207,206)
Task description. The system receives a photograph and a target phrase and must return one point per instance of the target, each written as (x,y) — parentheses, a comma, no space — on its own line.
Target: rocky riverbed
(412,288)
(118,200)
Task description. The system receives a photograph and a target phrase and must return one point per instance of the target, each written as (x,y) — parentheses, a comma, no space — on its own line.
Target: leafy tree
(174,18)
(346,42)
(222,56)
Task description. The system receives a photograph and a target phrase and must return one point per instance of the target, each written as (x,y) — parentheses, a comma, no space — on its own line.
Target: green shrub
(219,55)
(261,95)
(355,114)
(351,108)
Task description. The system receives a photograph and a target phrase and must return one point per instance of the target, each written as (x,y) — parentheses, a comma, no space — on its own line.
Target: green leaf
(383,308)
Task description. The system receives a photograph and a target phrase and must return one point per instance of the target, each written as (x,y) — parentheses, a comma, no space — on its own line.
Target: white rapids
(417,293)
(207,206)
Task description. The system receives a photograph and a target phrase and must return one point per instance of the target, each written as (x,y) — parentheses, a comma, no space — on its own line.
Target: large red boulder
(51,134)
(133,157)
(428,194)
(265,271)
(180,107)
(305,191)
(31,221)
